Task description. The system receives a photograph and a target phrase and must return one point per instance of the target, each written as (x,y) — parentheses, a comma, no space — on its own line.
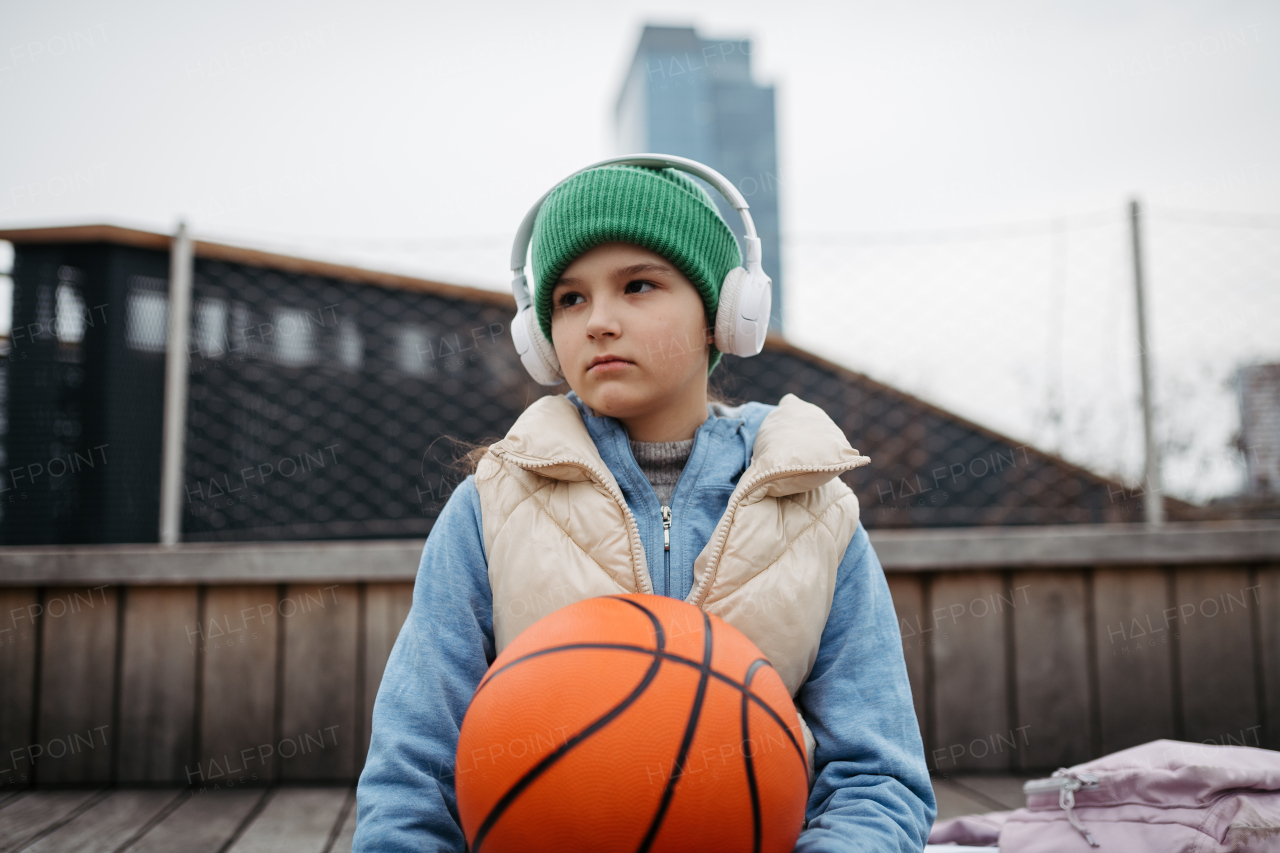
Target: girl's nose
(603,321)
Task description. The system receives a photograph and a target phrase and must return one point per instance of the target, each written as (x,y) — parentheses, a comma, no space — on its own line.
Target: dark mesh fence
(322,407)
(84,399)
(44,408)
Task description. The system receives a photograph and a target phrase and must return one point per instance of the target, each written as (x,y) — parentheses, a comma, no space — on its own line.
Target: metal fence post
(181,269)
(1153,492)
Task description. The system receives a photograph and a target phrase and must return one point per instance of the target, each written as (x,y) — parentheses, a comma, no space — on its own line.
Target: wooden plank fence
(226,665)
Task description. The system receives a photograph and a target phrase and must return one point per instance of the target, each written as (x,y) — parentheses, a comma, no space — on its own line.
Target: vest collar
(797,446)
(551,438)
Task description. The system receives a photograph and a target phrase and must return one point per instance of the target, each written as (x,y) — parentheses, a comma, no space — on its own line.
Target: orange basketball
(631,723)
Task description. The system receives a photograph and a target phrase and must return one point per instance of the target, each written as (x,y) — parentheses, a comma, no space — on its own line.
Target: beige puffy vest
(557,530)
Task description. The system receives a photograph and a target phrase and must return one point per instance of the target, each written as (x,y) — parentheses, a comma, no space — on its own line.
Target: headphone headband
(742,317)
(524,234)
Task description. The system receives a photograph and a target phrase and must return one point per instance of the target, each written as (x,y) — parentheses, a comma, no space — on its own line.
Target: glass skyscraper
(694,98)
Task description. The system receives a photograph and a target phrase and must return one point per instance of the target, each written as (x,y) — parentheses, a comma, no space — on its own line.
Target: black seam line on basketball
(690,728)
(652,618)
(801,753)
(542,766)
(756,831)
(674,658)
(661,643)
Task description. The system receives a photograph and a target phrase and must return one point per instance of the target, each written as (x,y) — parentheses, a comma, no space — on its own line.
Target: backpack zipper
(1066,783)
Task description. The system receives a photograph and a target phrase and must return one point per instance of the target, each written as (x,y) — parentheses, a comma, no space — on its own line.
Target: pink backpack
(1162,797)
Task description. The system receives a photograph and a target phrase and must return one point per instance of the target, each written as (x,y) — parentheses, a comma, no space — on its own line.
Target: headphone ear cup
(727,310)
(536,352)
(742,316)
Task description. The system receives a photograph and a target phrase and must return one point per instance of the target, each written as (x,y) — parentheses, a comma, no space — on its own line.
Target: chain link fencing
(1031,330)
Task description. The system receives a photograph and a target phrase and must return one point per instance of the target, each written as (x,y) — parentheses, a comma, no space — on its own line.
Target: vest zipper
(638,565)
(666,546)
(721,533)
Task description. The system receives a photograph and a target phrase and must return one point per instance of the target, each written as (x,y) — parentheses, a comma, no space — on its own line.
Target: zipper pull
(666,528)
(1066,783)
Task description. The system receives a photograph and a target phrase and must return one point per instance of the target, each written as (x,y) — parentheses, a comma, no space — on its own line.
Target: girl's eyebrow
(643,267)
(634,269)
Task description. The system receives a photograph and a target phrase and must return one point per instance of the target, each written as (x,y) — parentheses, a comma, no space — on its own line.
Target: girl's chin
(616,398)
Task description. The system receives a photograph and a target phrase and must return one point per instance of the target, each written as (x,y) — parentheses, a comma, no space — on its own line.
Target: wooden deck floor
(275,820)
(962,795)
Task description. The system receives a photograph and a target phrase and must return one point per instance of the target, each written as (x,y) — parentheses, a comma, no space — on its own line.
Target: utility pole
(1057,290)
(1153,493)
(176,367)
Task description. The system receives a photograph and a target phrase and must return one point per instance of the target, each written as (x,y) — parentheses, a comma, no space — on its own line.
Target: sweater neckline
(662,452)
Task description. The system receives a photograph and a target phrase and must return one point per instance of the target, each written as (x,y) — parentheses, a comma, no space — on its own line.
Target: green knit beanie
(661,210)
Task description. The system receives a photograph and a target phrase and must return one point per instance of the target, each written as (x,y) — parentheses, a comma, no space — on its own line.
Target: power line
(1218,218)
(1014,230)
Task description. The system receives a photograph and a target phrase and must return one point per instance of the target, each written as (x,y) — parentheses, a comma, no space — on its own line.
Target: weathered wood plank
(238,693)
(1269,618)
(107,825)
(296,820)
(392,561)
(373,561)
(157,685)
(1134,640)
(1074,546)
(318,739)
(971,692)
(1216,651)
(1051,666)
(386,607)
(202,824)
(17,675)
(908,602)
(77,681)
(26,818)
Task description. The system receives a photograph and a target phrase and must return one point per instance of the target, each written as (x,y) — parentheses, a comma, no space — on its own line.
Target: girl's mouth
(612,365)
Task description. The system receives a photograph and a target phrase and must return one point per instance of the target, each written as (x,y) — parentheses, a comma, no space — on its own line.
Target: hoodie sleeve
(872,790)
(405,800)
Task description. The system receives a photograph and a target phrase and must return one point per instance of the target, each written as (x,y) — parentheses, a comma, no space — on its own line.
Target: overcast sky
(431,120)
(413,136)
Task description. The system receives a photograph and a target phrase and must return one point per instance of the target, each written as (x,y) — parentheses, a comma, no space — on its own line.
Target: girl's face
(631,335)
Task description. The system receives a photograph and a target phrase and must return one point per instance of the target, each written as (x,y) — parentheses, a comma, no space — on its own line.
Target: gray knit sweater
(661,462)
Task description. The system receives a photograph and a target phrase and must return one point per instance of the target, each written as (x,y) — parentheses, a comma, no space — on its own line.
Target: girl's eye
(567,299)
(647,285)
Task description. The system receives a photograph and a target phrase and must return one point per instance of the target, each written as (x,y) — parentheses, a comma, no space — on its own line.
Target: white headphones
(746,297)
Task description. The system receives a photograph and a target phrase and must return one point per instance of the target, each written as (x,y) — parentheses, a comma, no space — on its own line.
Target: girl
(636,482)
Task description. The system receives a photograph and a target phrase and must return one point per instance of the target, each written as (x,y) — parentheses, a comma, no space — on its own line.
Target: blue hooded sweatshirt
(871,791)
